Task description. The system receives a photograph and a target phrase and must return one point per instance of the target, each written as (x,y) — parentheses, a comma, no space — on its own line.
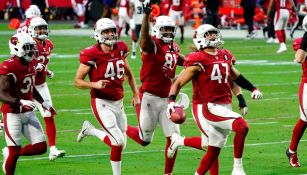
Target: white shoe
(270,40)
(238,171)
(282,48)
(84,131)
(5,153)
(253,34)
(176,142)
(55,153)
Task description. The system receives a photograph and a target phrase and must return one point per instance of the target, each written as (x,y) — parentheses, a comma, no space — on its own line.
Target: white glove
(183,100)
(171,108)
(244,111)
(27,105)
(256,95)
(40,67)
(49,110)
(132,24)
(50,74)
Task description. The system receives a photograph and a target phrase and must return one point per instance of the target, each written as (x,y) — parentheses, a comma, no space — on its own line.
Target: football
(178,116)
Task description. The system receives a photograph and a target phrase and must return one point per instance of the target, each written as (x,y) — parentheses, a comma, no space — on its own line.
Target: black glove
(147,6)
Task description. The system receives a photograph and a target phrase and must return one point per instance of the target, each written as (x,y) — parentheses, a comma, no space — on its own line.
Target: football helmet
(34,24)
(296,44)
(201,35)
(164,28)
(32,11)
(23,46)
(102,25)
(304,24)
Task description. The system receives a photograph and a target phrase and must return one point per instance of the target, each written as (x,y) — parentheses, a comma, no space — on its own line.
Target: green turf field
(271,120)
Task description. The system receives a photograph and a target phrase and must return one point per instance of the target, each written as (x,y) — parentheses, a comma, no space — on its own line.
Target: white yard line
(155,151)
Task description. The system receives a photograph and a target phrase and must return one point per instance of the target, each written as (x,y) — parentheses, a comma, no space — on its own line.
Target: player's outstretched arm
(131,80)
(80,83)
(146,42)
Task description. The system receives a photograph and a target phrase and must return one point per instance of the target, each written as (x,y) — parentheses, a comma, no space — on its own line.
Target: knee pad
(240,125)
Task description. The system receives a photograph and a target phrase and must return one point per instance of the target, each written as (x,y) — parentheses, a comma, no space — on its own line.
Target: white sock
(52,148)
(133,46)
(98,133)
(237,163)
(116,167)
(292,152)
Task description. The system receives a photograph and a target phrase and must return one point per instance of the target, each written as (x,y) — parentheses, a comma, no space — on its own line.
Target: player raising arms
(17,76)
(300,46)
(31,12)
(160,54)
(105,63)
(137,13)
(211,72)
(176,13)
(38,29)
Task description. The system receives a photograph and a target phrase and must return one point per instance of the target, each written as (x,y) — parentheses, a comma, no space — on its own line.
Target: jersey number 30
(216,73)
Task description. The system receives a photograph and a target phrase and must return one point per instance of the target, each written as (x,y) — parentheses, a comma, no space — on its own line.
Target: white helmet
(104,24)
(200,40)
(160,24)
(305,23)
(34,23)
(32,11)
(23,45)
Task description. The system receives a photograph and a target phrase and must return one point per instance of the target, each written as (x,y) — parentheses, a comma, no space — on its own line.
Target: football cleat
(55,153)
(282,48)
(237,171)
(176,142)
(5,153)
(84,131)
(293,160)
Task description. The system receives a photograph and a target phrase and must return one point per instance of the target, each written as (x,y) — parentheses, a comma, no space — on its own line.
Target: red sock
(297,134)
(119,31)
(107,141)
(208,160)
(10,164)
(169,163)
(194,142)
(50,130)
(80,19)
(279,36)
(35,149)
(214,170)
(116,153)
(133,38)
(133,133)
(239,126)
(283,33)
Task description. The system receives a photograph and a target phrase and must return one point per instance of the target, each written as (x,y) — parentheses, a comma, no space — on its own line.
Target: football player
(79,9)
(31,12)
(160,56)
(105,63)
(280,20)
(176,13)
(300,46)
(123,17)
(38,30)
(137,13)
(17,91)
(211,68)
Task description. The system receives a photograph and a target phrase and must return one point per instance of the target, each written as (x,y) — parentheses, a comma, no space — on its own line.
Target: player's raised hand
(256,94)
(101,84)
(147,6)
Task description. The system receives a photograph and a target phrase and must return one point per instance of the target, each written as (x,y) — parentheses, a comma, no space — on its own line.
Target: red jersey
(177,5)
(212,82)
(44,54)
(106,66)
(23,27)
(282,4)
(158,68)
(197,98)
(24,77)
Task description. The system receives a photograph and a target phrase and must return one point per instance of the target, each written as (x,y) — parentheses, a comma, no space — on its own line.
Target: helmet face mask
(164,28)
(105,31)
(38,28)
(207,36)
(22,45)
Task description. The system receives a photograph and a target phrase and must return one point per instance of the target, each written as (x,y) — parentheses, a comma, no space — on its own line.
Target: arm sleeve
(304,42)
